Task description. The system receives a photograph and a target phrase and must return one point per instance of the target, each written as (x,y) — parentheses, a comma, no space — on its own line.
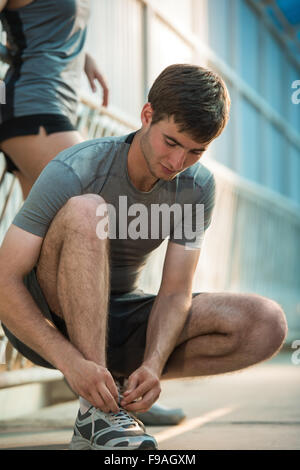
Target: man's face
(167,151)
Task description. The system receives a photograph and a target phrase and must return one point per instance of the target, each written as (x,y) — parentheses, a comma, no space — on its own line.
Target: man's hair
(196,97)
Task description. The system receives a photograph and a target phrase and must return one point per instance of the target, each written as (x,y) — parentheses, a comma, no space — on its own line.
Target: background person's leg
(31,153)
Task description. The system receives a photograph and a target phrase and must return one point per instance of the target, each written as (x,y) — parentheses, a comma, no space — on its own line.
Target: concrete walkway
(257,408)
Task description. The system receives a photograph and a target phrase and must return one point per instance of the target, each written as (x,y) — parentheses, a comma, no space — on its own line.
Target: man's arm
(166,321)
(19,253)
(18,311)
(172,305)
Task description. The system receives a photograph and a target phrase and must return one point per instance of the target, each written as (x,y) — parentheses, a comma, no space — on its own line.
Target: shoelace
(120,419)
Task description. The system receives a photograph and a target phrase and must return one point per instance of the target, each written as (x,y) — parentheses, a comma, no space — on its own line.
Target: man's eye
(198,154)
(170,144)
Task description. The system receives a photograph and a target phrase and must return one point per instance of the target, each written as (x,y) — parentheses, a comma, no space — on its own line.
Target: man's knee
(269,326)
(81,214)
(77,218)
(274,317)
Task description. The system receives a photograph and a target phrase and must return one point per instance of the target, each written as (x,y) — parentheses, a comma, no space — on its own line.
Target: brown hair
(196,97)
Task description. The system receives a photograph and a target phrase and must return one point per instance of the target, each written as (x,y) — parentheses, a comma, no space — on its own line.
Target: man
(70,293)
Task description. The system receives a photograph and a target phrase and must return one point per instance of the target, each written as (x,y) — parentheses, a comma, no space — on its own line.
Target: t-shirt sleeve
(196,218)
(56,184)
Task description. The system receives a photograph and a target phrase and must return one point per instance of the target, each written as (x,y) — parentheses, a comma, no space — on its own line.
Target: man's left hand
(143,389)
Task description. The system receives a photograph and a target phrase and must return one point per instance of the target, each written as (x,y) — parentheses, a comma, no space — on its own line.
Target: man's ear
(146,115)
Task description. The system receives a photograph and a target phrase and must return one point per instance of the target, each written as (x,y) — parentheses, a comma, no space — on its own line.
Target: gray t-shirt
(99,166)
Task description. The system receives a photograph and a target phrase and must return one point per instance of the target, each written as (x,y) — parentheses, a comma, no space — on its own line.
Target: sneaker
(97,430)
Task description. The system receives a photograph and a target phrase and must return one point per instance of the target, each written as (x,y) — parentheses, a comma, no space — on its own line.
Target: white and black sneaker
(97,430)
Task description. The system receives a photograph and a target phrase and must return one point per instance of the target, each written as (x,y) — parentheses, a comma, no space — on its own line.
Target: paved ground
(257,408)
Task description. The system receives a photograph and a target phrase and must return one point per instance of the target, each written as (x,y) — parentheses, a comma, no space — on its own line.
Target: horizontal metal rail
(28,376)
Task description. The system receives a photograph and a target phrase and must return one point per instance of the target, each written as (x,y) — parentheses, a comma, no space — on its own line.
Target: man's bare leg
(73,272)
(226,332)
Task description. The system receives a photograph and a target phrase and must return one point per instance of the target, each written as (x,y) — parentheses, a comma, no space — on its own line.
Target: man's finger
(97,401)
(136,393)
(109,401)
(131,385)
(110,383)
(144,404)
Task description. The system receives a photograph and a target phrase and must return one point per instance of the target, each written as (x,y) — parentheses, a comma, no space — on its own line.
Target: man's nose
(177,160)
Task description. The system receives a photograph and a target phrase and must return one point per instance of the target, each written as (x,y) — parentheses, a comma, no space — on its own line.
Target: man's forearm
(22,317)
(166,321)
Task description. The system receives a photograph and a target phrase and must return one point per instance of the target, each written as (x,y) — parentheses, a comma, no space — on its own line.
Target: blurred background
(253,243)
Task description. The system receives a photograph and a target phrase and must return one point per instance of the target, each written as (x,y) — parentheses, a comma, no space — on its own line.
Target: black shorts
(127,328)
(30,125)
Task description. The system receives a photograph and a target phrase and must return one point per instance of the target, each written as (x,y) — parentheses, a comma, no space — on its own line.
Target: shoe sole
(79,443)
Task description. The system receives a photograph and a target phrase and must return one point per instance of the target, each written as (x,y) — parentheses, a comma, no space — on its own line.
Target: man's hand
(94,383)
(143,386)
(93,73)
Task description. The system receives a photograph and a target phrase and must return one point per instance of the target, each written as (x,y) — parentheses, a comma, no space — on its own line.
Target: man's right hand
(94,383)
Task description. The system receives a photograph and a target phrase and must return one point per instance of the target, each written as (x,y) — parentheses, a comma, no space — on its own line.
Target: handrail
(28,376)
(125,121)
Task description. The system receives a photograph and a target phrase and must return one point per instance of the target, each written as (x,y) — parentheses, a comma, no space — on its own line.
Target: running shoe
(97,430)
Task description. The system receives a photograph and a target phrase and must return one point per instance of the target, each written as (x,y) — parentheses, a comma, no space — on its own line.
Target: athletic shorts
(127,327)
(30,125)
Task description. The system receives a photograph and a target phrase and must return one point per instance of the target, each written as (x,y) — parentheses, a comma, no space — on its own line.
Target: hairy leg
(31,153)
(73,272)
(226,332)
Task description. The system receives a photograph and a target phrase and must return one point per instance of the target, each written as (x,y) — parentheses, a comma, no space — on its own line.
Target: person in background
(45,51)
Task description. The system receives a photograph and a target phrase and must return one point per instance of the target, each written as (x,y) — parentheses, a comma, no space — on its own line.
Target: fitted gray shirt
(99,166)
